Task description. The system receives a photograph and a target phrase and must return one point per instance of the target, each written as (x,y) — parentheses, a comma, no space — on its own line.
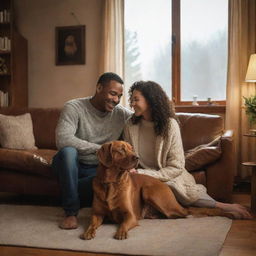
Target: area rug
(37,226)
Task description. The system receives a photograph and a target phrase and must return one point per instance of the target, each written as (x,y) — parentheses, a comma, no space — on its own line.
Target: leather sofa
(29,171)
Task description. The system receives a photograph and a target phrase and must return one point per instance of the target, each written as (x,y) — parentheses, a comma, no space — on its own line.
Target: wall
(51,85)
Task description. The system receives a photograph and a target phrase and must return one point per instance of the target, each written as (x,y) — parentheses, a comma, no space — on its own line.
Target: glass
(148,42)
(204,48)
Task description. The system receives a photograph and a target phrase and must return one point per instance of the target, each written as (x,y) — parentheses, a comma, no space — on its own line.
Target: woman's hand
(133,170)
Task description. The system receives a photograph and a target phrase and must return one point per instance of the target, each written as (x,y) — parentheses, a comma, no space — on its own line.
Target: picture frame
(70,45)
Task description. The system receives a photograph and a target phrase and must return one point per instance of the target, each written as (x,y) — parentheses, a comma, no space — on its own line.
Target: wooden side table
(253,184)
(250,135)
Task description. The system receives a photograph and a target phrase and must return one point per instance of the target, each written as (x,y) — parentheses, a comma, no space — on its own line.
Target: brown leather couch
(29,172)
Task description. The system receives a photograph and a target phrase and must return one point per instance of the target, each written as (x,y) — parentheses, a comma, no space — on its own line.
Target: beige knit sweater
(169,156)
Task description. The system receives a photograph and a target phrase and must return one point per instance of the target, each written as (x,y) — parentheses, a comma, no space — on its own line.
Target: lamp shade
(251,70)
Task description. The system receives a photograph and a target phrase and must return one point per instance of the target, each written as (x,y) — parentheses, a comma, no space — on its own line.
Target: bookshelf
(13,60)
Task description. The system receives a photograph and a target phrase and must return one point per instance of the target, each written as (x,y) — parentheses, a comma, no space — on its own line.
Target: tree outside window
(181,44)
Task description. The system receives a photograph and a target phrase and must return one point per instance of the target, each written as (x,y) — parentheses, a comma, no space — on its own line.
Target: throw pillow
(16,132)
(202,155)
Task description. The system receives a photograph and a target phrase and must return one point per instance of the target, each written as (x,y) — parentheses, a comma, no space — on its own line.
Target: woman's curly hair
(161,107)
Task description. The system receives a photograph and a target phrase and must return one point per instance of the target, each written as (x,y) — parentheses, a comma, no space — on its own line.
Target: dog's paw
(88,235)
(82,236)
(121,235)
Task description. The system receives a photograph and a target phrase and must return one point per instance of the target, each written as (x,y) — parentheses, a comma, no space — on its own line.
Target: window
(181,44)
(148,42)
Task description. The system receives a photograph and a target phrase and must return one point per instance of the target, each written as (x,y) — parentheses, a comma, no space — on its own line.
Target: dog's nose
(134,158)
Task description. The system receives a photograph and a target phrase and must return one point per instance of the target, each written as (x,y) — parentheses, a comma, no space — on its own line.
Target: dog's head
(118,154)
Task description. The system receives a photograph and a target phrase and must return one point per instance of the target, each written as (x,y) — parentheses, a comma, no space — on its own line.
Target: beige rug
(36,226)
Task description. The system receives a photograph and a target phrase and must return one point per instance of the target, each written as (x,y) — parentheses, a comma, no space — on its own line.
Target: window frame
(176,53)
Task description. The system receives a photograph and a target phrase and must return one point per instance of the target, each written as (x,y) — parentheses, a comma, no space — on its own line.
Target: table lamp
(251,70)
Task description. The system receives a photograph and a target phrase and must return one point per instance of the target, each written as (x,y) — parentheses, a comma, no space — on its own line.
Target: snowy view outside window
(204,49)
(148,42)
(203,46)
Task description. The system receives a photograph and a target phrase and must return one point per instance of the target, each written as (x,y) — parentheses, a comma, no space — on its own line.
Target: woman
(155,136)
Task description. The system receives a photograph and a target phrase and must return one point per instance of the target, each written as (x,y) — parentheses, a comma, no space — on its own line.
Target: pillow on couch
(16,132)
(202,155)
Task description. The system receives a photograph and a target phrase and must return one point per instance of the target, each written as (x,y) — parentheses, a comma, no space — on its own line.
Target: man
(84,125)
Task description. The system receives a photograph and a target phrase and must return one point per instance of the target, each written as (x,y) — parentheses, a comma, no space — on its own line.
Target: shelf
(15,80)
(5,52)
(249,163)
(201,108)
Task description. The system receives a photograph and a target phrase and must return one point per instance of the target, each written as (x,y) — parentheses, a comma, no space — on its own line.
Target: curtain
(112,53)
(242,30)
(112,46)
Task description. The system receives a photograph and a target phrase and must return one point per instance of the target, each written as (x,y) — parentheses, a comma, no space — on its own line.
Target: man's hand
(133,170)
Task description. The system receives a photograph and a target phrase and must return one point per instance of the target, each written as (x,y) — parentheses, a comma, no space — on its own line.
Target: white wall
(51,85)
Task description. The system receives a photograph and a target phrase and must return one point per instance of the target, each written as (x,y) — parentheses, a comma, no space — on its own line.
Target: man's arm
(66,130)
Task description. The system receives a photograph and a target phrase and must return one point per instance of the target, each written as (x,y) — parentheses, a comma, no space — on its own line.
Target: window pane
(204,50)
(148,42)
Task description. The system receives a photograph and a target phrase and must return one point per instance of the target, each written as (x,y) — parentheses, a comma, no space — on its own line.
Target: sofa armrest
(228,134)
(220,175)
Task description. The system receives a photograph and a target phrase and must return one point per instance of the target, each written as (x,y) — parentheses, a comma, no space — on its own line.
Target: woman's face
(140,105)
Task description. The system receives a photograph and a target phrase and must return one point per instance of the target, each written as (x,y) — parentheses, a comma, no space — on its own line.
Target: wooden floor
(240,241)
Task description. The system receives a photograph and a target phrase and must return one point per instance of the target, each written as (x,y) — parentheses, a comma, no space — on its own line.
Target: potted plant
(250,109)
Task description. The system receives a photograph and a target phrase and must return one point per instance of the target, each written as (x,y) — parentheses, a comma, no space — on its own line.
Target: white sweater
(169,156)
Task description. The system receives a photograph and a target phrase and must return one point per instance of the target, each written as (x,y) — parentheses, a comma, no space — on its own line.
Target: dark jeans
(75,179)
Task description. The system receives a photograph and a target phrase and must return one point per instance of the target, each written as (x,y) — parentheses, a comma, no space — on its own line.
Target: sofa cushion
(44,123)
(200,177)
(28,161)
(16,132)
(202,155)
(198,129)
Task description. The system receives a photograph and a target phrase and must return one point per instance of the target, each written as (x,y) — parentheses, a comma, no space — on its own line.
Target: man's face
(109,95)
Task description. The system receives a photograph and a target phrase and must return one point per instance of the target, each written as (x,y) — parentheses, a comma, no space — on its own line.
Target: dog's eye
(121,151)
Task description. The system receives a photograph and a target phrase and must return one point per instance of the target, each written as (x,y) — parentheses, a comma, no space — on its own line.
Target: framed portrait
(70,45)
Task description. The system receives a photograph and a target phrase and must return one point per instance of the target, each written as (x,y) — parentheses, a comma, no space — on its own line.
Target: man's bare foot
(70,222)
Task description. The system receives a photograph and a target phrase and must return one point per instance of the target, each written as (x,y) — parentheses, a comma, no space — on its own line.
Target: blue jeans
(75,180)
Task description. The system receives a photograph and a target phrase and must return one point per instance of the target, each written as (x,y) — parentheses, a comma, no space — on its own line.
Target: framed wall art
(70,45)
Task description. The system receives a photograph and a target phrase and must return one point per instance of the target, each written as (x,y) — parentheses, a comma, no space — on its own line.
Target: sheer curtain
(242,43)
(112,48)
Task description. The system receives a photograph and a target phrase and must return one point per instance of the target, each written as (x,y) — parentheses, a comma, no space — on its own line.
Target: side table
(253,184)
(253,178)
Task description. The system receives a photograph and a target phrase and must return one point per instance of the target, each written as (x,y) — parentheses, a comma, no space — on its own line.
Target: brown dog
(126,197)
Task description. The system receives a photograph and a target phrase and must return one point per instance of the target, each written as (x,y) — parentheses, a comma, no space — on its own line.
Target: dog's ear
(105,154)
